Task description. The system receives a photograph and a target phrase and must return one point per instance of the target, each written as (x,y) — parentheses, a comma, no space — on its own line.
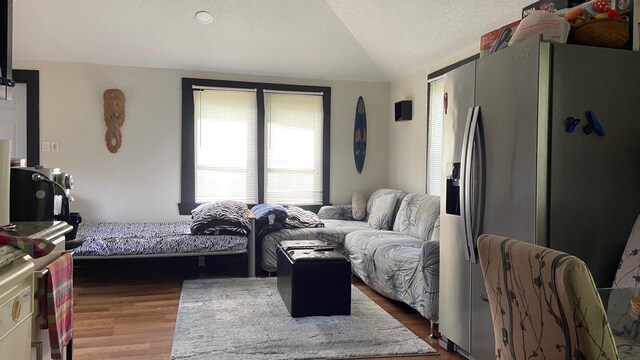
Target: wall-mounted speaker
(403,110)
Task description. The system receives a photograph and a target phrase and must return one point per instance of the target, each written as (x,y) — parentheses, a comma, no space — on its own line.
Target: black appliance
(34,191)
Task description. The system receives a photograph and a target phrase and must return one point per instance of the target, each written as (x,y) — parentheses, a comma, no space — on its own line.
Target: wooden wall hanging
(114,118)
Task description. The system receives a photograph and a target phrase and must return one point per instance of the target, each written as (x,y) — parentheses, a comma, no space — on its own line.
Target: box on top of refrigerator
(497,39)
(628,11)
(624,7)
(549,5)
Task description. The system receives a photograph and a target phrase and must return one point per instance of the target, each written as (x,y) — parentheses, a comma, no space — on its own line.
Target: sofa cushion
(358,206)
(395,265)
(335,212)
(435,234)
(333,232)
(417,216)
(381,192)
(381,215)
(368,248)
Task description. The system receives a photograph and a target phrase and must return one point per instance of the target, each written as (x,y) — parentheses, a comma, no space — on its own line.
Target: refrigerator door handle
(467,183)
(465,160)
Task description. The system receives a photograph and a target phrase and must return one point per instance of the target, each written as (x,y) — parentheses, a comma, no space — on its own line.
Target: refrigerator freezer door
(507,92)
(459,85)
(595,180)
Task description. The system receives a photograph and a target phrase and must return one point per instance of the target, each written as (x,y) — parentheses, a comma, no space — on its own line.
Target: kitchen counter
(48,230)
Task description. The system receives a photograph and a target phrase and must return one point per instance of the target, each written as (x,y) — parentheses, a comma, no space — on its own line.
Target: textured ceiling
(374,40)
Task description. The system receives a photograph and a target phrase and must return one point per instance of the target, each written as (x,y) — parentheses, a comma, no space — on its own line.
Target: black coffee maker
(35,192)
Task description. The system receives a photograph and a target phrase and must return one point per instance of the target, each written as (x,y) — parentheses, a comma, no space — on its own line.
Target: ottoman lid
(306,244)
(309,255)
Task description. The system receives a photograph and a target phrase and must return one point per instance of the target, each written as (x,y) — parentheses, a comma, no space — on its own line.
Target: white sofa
(401,263)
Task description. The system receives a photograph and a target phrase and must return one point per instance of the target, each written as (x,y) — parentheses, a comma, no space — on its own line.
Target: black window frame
(187,177)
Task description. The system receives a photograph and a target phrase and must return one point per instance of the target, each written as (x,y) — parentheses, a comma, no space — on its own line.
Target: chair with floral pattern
(624,325)
(544,303)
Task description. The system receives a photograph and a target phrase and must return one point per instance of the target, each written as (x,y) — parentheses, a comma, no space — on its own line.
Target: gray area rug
(245,318)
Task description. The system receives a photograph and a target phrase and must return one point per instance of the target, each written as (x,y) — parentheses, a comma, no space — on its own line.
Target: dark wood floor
(129,312)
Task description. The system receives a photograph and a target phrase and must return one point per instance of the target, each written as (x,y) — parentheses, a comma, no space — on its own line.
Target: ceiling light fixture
(204,17)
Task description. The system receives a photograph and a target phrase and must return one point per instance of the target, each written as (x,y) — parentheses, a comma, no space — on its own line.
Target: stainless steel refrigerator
(516,164)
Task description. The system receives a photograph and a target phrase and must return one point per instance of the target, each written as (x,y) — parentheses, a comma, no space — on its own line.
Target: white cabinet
(16,308)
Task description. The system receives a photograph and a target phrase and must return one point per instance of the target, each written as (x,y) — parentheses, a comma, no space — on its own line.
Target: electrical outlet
(45,146)
(55,146)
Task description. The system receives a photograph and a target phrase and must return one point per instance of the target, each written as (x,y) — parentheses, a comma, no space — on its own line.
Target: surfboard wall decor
(360,135)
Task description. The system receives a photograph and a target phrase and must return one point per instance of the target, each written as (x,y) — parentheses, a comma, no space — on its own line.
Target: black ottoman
(314,282)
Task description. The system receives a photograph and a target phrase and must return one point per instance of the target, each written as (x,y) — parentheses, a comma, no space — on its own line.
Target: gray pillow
(358,206)
(382,212)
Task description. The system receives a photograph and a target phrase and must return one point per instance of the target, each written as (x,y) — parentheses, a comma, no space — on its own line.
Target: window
(225,123)
(435,118)
(293,148)
(254,142)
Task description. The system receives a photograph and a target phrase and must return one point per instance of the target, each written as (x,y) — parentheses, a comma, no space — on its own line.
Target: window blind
(225,145)
(435,119)
(293,148)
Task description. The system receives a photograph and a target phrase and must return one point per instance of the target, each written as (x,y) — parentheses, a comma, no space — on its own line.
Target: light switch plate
(55,146)
(45,146)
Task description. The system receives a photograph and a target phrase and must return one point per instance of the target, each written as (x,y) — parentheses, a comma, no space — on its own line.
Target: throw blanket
(34,247)
(300,218)
(220,218)
(59,309)
(269,218)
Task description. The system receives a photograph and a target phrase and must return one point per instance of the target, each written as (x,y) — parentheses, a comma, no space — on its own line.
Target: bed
(112,240)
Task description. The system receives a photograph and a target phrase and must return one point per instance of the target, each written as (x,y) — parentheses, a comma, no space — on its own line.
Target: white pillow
(381,216)
(358,206)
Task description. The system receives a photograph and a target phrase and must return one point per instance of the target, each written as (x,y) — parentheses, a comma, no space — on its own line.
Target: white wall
(142,181)
(408,139)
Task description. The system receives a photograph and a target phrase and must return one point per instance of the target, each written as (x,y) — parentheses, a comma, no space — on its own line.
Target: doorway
(13,121)
(27,107)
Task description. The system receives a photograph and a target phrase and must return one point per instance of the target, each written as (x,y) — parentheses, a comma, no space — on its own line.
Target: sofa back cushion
(418,216)
(358,206)
(381,216)
(381,192)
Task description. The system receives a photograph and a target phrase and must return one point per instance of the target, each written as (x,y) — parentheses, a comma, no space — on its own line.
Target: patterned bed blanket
(110,239)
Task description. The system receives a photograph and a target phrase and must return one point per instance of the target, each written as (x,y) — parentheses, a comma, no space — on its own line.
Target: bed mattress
(161,238)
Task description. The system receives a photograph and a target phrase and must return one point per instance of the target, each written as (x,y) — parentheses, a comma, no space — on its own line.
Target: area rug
(245,318)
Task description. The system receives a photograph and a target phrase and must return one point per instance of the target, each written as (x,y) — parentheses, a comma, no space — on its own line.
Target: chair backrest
(623,325)
(544,303)
(629,268)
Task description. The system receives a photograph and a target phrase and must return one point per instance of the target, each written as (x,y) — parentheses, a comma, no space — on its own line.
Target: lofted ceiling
(371,40)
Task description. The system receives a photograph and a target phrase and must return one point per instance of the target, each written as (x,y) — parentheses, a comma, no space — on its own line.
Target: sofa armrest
(430,257)
(336,212)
